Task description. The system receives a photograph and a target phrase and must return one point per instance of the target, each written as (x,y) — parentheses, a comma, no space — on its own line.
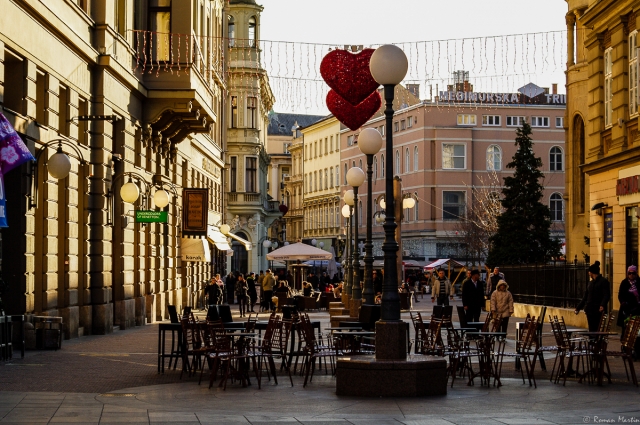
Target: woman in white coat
(502,304)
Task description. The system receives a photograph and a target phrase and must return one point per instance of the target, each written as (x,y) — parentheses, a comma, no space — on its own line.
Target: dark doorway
(240,259)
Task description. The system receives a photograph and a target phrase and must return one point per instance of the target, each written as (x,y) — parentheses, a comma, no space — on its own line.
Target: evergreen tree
(523,234)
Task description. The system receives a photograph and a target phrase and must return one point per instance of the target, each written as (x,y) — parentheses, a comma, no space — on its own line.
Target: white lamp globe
(314,242)
(161,198)
(225,229)
(388,65)
(383,204)
(59,165)
(321,245)
(286,244)
(408,203)
(129,192)
(345,211)
(355,177)
(266,244)
(370,141)
(275,245)
(349,198)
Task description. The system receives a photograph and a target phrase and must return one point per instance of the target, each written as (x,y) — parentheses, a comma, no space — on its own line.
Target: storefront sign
(627,186)
(530,94)
(608,228)
(196,202)
(151,216)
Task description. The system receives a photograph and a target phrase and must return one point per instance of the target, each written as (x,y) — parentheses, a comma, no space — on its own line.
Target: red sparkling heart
(353,116)
(349,74)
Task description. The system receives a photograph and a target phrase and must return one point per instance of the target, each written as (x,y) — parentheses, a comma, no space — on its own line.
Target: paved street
(114,379)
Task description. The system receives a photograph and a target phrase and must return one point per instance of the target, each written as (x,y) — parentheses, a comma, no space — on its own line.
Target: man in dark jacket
(596,298)
(314,281)
(473,296)
(253,293)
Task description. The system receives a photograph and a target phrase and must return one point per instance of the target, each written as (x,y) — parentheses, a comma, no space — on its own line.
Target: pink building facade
(443,149)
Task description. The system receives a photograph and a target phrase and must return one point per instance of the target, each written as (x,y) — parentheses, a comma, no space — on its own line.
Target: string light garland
(501,63)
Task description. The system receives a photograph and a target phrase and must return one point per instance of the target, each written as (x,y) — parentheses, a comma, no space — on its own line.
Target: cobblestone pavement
(114,379)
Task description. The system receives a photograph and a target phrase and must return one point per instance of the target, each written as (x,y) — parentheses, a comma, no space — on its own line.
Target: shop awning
(217,238)
(248,245)
(195,249)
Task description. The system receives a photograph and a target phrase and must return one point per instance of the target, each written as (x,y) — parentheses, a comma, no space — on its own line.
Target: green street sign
(151,216)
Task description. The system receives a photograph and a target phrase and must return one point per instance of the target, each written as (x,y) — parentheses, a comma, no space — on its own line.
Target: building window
(453,205)
(494,158)
(63,111)
(396,127)
(453,157)
(41,91)
(633,73)
(350,140)
(337,175)
(375,167)
(515,121)
(398,170)
(415,207)
(539,121)
(407,164)
(331,143)
(409,122)
(360,164)
(466,119)
(331,177)
(557,207)
(326,145)
(326,179)
(232,31)
(251,175)
(345,174)
(491,120)
(559,122)
(233,178)
(416,159)
(381,130)
(252,103)
(252,32)
(315,149)
(608,93)
(160,26)
(382,165)
(13,82)
(403,125)
(234,111)
(555,159)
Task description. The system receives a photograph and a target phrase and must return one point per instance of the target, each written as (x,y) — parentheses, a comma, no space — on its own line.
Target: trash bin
(48,332)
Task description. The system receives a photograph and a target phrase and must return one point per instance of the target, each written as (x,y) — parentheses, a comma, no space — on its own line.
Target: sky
(495,63)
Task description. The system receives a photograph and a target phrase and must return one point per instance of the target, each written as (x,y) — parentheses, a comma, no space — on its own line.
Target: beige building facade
(156,70)
(602,135)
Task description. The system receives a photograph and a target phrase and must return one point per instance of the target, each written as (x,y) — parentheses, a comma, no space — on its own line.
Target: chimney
(554,88)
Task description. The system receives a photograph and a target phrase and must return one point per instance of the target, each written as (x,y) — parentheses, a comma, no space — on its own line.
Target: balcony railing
(236,199)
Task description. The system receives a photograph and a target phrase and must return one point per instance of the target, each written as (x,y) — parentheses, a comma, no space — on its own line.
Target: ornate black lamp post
(347,212)
(355,178)
(369,142)
(388,67)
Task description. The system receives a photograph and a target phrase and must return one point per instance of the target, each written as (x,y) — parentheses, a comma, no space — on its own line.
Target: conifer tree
(523,235)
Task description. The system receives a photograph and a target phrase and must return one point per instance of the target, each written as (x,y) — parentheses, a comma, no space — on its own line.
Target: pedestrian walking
(596,297)
(473,296)
(502,304)
(241,290)
(253,293)
(442,290)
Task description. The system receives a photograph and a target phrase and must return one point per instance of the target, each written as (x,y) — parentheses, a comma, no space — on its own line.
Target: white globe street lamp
(408,203)
(349,198)
(129,192)
(225,229)
(59,165)
(161,198)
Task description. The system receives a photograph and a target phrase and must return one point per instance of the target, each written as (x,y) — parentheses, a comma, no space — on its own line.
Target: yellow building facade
(603,143)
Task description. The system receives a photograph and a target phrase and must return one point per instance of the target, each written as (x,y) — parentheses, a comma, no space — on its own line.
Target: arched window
(232,31)
(398,169)
(382,165)
(360,164)
(345,174)
(407,164)
(494,158)
(375,167)
(557,207)
(252,31)
(555,159)
(416,160)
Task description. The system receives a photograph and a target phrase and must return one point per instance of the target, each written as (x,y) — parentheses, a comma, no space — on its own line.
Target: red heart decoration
(353,116)
(349,75)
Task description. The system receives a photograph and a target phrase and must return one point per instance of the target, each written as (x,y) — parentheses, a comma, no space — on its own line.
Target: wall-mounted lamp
(599,205)
(58,165)
(130,192)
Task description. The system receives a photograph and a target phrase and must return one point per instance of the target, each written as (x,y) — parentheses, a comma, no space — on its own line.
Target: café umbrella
(298,251)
